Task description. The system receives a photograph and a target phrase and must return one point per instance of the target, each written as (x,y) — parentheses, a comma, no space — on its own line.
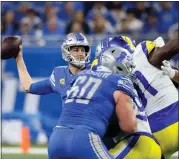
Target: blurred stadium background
(43,26)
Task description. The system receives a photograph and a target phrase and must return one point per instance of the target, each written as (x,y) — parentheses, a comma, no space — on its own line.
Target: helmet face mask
(78,40)
(98,50)
(107,59)
(124,67)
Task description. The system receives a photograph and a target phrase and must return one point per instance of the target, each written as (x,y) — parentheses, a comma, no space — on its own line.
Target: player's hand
(19,55)
(167,69)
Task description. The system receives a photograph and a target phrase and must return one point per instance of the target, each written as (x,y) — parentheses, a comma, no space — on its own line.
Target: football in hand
(10,47)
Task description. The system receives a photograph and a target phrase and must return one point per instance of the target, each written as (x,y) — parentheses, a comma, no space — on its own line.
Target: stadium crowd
(90,18)
(43,23)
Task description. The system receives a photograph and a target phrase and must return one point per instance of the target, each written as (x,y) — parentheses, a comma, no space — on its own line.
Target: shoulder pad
(147,47)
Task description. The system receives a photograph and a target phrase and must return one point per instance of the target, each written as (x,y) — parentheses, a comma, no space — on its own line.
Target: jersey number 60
(83,89)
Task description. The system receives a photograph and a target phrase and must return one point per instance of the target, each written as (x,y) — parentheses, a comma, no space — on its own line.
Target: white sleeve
(52,79)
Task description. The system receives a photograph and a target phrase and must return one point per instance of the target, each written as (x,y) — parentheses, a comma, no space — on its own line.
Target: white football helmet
(75,39)
(107,60)
(123,59)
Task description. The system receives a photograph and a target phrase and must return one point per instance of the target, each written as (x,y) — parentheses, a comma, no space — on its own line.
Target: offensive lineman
(157,92)
(76,51)
(87,110)
(131,146)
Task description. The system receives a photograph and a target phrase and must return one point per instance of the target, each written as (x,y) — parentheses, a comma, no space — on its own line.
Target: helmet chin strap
(77,63)
(75,69)
(77,66)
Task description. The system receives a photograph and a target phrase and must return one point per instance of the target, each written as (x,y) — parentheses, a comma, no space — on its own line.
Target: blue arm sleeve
(125,84)
(41,88)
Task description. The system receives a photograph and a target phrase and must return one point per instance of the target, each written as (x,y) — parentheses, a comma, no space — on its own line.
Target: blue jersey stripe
(164,117)
(141,95)
(145,83)
(141,133)
(144,48)
(141,117)
(129,147)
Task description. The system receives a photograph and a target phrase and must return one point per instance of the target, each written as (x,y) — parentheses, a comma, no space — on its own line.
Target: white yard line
(18,150)
(40,151)
(175,154)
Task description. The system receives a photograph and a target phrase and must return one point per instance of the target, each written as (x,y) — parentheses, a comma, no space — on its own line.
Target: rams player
(164,52)
(87,110)
(132,145)
(161,98)
(158,94)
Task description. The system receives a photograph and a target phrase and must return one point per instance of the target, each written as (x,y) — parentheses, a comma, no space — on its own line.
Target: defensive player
(157,92)
(87,110)
(132,146)
(164,52)
(161,98)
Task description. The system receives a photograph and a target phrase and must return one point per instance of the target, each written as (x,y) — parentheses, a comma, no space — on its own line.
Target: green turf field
(18,156)
(33,156)
(22,156)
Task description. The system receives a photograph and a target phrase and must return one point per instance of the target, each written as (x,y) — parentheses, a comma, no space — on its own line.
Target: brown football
(10,47)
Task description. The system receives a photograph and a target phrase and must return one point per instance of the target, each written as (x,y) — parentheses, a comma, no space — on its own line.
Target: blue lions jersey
(90,101)
(61,79)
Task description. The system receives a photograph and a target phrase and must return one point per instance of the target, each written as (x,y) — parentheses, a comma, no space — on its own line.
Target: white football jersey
(156,90)
(141,116)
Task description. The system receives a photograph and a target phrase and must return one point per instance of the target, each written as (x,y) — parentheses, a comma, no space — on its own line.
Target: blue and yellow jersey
(159,97)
